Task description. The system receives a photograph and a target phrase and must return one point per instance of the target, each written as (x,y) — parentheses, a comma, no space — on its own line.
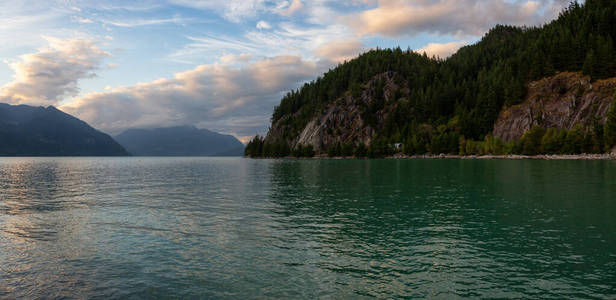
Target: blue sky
(220,65)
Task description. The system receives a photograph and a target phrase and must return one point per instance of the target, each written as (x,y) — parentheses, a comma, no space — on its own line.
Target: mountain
(557,78)
(46,131)
(179,141)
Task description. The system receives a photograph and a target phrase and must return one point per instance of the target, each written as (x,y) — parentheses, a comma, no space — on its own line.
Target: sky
(216,64)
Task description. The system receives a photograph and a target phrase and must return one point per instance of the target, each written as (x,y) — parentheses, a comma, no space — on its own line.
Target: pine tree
(610,125)
(589,64)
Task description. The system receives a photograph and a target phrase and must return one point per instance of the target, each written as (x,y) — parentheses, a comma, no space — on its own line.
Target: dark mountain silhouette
(46,131)
(179,141)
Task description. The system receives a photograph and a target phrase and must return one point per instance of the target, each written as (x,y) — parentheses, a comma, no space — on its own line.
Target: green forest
(454,102)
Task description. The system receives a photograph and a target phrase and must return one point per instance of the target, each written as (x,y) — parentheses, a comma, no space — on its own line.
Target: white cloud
(145,22)
(462,18)
(215,96)
(236,93)
(263,25)
(285,39)
(232,10)
(81,20)
(441,50)
(340,50)
(290,38)
(51,74)
(236,59)
(212,46)
(23,23)
(290,8)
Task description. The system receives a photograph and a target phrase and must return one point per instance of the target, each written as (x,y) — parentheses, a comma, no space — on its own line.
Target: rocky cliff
(352,118)
(561,101)
(503,85)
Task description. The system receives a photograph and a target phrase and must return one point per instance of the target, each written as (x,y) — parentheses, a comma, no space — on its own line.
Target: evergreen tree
(361,150)
(464,93)
(532,141)
(610,125)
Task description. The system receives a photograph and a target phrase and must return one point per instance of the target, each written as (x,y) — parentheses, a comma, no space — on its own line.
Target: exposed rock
(342,121)
(560,101)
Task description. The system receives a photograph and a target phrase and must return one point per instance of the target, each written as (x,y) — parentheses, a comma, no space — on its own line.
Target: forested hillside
(440,106)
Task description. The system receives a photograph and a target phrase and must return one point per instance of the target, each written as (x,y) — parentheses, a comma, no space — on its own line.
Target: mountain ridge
(46,131)
(179,141)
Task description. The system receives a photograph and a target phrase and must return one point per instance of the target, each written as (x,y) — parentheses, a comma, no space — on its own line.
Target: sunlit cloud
(263,25)
(233,59)
(340,50)
(462,18)
(289,8)
(208,95)
(441,50)
(52,73)
(222,65)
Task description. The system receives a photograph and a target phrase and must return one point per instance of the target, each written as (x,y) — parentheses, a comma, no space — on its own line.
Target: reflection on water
(238,228)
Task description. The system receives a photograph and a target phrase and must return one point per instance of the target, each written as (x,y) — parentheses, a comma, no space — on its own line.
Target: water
(133,228)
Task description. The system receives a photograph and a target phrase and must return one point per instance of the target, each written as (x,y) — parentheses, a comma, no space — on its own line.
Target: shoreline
(605,156)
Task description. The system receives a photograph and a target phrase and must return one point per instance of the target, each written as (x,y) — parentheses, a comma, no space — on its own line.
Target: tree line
(459,98)
(598,138)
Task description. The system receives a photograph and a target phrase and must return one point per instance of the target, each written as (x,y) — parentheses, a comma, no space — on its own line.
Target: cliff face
(344,120)
(560,101)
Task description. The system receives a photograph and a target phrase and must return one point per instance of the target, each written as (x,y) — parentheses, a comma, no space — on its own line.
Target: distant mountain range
(179,141)
(46,131)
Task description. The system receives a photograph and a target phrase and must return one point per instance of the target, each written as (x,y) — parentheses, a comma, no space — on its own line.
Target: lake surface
(157,228)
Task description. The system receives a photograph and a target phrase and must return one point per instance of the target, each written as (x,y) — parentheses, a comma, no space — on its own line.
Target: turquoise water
(135,228)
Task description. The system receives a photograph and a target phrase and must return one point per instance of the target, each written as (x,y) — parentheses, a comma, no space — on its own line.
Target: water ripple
(159,228)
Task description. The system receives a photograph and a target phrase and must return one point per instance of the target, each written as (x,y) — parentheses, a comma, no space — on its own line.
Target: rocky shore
(606,156)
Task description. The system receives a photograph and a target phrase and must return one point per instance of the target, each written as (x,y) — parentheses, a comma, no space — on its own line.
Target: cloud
(221,97)
(81,20)
(285,39)
(441,50)
(290,38)
(289,9)
(340,50)
(51,74)
(263,25)
(396,18)
(23,23)
(232,10)
(212,46)
(145,22)
(233,59)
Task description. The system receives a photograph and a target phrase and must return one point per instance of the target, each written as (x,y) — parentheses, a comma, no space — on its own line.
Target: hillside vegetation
(389,96)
